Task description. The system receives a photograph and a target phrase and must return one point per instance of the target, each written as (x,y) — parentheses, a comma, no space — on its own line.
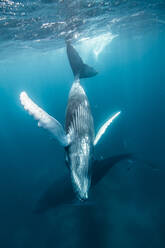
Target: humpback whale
(61,193)
(78,137)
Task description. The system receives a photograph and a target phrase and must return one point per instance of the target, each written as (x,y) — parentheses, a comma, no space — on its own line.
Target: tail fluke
(80,70)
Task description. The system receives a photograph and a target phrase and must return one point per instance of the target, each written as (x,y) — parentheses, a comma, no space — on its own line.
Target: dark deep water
(128,205)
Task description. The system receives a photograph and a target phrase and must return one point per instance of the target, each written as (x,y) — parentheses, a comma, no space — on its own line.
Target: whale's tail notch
(79,68)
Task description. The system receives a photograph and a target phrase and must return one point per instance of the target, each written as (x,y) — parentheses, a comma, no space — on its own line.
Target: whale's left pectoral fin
(104,128)
(44,119)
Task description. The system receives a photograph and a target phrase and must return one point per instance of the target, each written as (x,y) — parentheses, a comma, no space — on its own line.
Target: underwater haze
(124,41)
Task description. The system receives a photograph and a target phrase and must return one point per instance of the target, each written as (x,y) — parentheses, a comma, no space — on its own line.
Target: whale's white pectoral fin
(44,119)
(104,127)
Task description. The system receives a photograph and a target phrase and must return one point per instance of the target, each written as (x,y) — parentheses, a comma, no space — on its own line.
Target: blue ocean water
(124,41)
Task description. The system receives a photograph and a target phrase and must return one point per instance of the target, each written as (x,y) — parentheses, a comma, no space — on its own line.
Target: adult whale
(78,138)
(61,193)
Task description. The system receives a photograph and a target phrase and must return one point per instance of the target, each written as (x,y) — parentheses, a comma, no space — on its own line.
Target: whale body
(78,137)
(79,122)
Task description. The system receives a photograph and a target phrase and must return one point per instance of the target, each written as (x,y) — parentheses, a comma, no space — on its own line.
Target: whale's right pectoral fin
(44,119)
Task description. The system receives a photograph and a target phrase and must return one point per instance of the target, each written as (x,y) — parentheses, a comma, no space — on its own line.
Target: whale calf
(78,137)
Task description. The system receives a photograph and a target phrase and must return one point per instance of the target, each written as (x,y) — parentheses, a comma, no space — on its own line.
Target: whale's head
(79,163)
(81,184)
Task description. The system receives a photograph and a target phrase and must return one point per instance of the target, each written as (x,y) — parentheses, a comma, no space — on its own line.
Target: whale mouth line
(81,186)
